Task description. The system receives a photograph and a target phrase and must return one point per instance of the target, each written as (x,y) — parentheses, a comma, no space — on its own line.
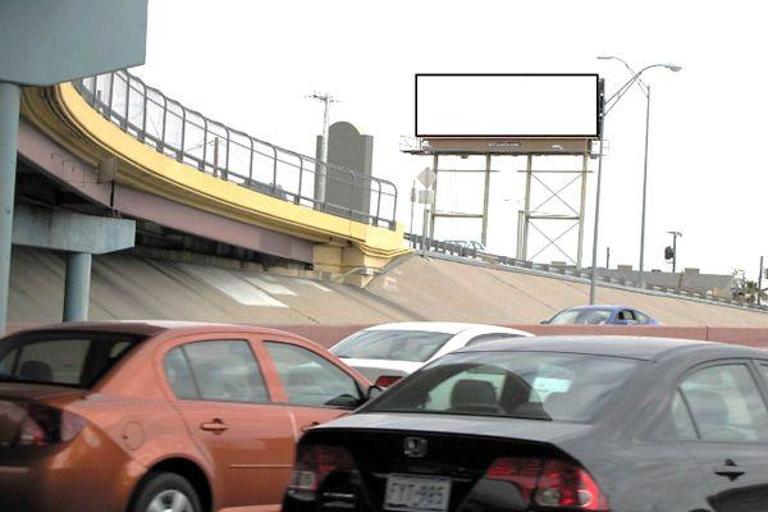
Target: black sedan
(556,424)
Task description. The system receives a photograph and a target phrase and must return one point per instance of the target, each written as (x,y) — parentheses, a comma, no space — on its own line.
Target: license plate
(409,493)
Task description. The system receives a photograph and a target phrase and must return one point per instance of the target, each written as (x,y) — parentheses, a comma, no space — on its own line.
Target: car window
(310,379)
(179,375)
(547,386)
(582,316)
(726,404)
(482,338)
(627,314)
(53,360)
(7,362)
(641,318)
(416,346)
(62,358)
(681,418)
(222,371)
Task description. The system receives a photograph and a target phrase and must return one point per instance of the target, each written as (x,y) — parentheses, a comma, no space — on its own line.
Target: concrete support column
(10,97)
(77,286)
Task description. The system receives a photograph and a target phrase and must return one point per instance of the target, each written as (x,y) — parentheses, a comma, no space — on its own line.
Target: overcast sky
(251,64)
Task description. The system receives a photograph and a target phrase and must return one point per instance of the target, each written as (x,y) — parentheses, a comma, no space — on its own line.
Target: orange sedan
(160,416)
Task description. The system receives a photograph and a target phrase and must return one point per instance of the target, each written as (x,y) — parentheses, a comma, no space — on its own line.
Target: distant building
(689,280)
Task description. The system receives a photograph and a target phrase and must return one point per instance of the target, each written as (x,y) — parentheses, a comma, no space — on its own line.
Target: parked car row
(164,416)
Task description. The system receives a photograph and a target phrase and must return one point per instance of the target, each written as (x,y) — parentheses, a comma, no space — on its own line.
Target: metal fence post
(301,174)
(183,131)
(250,161)
(274,171)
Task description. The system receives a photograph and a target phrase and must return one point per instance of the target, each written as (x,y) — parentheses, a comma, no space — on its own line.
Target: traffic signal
(669,253)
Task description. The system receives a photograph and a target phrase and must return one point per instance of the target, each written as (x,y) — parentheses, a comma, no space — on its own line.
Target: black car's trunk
(461,455)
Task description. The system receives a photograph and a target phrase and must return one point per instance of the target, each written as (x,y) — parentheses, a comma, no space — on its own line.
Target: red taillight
(551,483)
(524,473)
(384,381)
(46,425)
(315,462)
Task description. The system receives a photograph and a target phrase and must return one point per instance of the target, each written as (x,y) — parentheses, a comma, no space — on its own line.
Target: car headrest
(708,407)
(469,391)
(36,371)
(301,378)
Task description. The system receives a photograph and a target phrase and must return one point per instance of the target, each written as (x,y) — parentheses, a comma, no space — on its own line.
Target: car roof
(635,347)
(444,327)
(149,327)
(599,306)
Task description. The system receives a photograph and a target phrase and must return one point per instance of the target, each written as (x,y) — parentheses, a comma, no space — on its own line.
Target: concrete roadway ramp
(448,290)
(129,286)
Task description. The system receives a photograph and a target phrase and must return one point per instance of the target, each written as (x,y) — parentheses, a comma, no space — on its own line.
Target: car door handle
(729,470)
(308,426)
(215,425)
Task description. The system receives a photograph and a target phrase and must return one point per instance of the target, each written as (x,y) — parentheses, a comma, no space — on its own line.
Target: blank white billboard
(450,105)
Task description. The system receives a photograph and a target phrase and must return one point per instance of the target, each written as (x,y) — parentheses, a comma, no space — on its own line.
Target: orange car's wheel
(166,492)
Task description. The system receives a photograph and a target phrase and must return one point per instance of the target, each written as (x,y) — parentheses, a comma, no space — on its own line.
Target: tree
(747,290)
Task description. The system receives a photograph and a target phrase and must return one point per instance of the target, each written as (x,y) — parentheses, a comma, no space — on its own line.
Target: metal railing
(214,148)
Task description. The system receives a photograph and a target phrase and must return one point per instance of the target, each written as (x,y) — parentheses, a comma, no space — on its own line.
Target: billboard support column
(486,194)
(10,99)
(528,177)
(584,170)
(434,199)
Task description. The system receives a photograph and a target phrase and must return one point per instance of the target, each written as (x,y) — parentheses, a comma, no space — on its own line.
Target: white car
(387,352)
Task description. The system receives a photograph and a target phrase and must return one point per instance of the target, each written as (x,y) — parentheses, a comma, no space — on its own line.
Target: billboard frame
(592,136)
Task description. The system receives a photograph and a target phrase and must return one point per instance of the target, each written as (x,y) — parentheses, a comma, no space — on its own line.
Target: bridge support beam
(80,236)
(10,98)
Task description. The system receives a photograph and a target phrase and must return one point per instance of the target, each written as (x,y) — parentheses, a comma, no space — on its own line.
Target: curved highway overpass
(130,148)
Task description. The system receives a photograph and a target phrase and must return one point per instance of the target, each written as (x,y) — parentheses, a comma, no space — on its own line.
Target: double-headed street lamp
(608,106)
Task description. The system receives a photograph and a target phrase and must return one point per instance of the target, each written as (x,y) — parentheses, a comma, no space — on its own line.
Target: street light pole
(641,277)
(646,89)
(593,270)
(610,103)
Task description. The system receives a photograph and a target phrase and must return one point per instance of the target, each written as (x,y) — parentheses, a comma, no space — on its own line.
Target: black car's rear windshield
(398,345)
(68,359)
(535,385)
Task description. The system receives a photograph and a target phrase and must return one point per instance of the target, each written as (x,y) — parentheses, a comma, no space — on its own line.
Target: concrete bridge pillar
(77,285)
(10,97)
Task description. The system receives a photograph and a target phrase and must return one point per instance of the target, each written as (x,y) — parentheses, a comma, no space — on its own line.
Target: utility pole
(760,282)
(607,258)
(593,270)
(322,171)
(674,234)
